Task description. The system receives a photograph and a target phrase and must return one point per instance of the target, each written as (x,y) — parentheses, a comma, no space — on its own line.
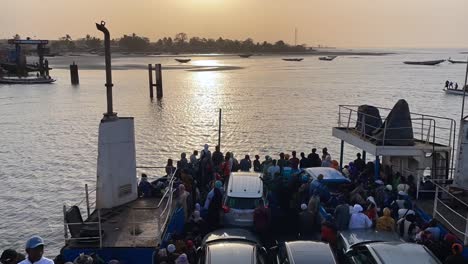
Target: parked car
(375,247)
(243,194)
(391,253)
(231,246)
(304,252)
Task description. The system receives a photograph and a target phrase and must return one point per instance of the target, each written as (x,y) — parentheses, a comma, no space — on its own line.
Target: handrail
(168,197)
(435,213)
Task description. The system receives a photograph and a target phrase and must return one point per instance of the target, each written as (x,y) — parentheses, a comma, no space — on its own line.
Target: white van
(243,194)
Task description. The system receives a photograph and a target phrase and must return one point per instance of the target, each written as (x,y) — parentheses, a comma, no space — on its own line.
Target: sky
(337,23)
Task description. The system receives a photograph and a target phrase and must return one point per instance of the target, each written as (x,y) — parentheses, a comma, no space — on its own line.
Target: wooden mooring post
(75,78)
(158,80)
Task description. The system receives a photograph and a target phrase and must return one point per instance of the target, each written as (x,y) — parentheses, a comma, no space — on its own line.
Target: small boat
(327,58)
(433,62)
(35,80)
(245,55)
(293,59)
(456,61)
(183,60)
(455,91)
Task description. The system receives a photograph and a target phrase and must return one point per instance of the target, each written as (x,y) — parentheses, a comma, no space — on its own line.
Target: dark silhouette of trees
(181,43)
(134,43)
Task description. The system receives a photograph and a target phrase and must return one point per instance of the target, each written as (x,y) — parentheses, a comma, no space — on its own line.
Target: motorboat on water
(430,63)
(327,58)
(245,55)
(455,91)
(457,61)
(183,60)
(293,59)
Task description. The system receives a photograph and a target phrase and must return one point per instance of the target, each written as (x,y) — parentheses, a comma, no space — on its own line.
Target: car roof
(230,253)
(300,252)
(398,252)
(330,175)
(245,185)
(232,234)
(355,237)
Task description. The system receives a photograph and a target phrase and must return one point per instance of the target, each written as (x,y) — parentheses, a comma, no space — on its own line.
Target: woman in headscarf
(214,209)
(359,220)
(385,222)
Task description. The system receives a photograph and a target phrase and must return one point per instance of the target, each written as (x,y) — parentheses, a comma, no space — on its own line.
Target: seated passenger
(145,189)
(359,220)
(434,230)
(407,228)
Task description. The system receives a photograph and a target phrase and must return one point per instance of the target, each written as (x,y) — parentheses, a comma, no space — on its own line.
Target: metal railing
(448,212)
(67,225)
(166,212)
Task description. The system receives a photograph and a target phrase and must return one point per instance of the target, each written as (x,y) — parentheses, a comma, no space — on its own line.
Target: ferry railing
(67,225)
(427,129)
(432,178)
(165,213)
(440,191)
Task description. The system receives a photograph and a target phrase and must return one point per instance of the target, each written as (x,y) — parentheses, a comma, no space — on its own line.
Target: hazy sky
(340,23)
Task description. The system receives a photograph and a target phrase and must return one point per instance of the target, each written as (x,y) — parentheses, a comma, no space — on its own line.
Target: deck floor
(119,228)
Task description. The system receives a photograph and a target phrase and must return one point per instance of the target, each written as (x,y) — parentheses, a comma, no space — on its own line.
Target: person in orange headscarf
(335,165)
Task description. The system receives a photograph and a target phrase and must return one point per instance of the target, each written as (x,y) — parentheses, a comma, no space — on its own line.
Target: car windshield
(242,203)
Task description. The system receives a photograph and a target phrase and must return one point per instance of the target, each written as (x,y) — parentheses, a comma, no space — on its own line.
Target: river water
(48,133)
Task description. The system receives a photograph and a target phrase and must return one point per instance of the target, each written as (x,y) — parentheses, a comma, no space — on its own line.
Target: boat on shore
(26,80)
(293,59)
(429,63)
(245,55)
(457,61)
(182,60)
(327,58)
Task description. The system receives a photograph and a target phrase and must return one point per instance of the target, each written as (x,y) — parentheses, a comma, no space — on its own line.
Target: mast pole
(110,111)
(464,92)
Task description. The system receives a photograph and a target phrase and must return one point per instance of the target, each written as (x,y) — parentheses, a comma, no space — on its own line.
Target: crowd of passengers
(293,203)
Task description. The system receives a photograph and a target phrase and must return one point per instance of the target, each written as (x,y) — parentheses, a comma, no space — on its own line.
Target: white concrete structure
(116,166)
(461,173)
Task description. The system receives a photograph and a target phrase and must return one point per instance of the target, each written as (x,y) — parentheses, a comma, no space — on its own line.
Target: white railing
(166,213)
(438,202)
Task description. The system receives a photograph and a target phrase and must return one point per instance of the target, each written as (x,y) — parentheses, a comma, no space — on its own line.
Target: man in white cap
(35,250)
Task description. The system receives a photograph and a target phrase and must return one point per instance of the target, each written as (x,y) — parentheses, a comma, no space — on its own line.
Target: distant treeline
(181,43)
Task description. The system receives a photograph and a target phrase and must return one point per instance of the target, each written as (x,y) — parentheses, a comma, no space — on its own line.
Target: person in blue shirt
(245,164)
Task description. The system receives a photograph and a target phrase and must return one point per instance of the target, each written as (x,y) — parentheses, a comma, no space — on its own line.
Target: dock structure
(157,68)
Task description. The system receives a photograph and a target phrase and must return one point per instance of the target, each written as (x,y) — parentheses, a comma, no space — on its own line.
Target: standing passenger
(359,220)
(245,164)
(217,158)
(257,165)
(314,159)
(294,161)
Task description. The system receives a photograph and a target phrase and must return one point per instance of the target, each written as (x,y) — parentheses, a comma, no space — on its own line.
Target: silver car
(243,194)
(231,246)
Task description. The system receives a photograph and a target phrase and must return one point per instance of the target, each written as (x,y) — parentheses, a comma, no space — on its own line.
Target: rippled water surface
(48,133)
